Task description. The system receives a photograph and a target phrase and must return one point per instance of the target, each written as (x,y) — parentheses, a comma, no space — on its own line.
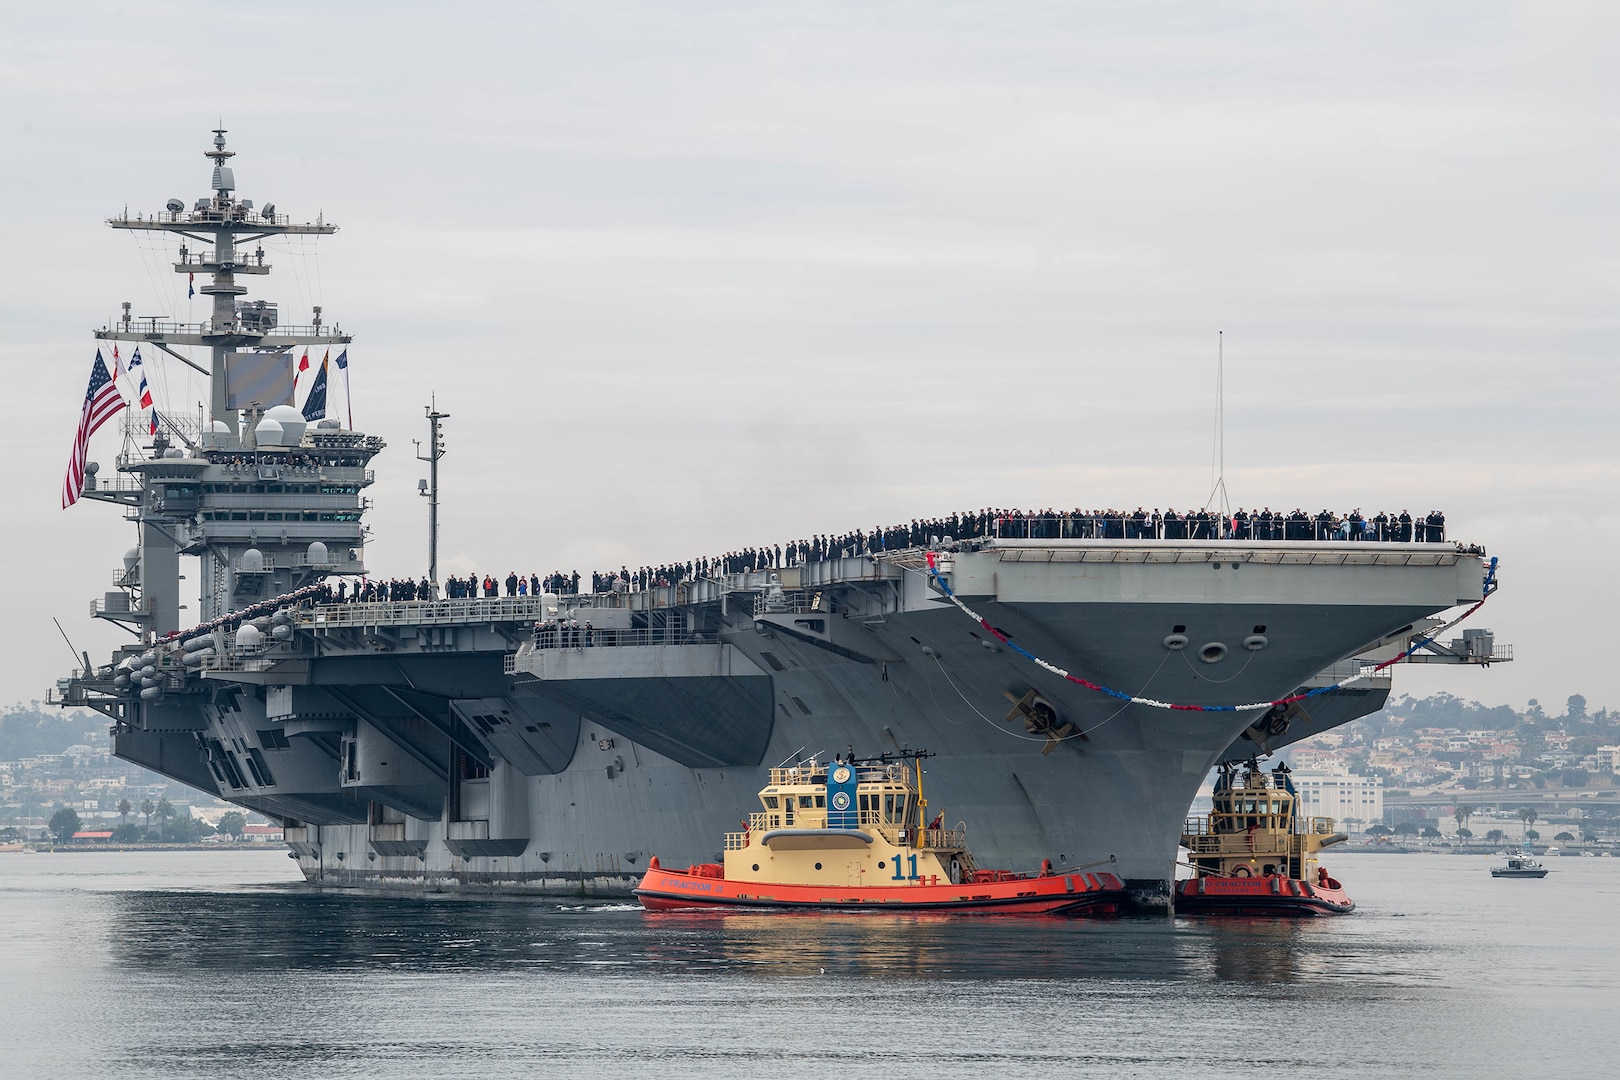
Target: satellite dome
(132,558)
(292,423)
(218,436)
(251,562)
(318,555)
(249,636)
(174,206)
(331,423)
(267,432)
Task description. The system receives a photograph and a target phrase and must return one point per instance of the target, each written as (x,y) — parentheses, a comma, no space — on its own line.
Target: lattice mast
(224,225)
(266,506)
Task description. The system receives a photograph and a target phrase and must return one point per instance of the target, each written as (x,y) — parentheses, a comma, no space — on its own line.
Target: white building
(1351,801)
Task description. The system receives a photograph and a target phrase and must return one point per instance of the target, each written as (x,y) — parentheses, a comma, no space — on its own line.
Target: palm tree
(1462,813)
(164,811)
(147,809)
(1527,814)
(123,811)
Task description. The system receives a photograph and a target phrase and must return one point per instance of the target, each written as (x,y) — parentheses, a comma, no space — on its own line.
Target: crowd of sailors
(1139,524)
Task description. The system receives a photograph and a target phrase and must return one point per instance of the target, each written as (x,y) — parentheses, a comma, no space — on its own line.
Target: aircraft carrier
(446,744)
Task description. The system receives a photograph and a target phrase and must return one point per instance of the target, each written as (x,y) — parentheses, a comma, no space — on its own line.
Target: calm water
(221,964)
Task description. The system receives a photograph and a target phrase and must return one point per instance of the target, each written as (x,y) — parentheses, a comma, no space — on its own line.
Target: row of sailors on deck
(1140,524)
(1264,524)
(564,634)
(367,591)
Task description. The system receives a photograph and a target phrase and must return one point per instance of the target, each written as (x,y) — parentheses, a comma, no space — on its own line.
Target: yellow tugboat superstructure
(855,835)
(853,823)
(1255,853)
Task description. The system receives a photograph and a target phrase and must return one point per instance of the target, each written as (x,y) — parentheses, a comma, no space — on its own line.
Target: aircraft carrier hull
(411,747)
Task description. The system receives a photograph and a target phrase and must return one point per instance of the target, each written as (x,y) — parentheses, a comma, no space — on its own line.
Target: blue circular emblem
(840,801)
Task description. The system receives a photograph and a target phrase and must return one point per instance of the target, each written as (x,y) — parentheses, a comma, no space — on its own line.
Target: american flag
(101,403)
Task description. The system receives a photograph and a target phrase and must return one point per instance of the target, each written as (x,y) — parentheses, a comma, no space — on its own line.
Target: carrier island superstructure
(445,744)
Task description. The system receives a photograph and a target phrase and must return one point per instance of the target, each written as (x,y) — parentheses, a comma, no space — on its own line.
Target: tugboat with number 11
(850,837)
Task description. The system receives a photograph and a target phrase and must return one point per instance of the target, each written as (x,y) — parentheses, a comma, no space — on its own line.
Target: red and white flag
(102,402)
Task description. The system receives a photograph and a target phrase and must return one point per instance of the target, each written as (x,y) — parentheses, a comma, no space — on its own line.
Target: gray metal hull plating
(600,757)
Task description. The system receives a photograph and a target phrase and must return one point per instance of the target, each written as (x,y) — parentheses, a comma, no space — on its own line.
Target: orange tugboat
(1254,855)
(850,837)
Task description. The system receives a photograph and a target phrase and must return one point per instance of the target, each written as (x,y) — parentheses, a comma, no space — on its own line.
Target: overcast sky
(693,276)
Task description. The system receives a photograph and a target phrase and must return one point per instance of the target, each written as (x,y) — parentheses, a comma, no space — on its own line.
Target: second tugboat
(1255,855)
(850,837)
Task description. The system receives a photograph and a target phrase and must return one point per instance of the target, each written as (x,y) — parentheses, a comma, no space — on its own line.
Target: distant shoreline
(43,847)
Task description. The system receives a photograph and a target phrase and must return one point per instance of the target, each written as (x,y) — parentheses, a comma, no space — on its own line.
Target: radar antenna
(429,488)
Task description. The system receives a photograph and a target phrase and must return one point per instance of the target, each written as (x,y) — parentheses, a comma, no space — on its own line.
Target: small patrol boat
(850,836)
(1520,865)
(1254,855)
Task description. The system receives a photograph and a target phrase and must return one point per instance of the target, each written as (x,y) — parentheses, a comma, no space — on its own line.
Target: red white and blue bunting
(1417,643)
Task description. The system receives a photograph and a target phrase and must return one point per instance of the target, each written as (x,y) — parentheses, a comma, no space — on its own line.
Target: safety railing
(100,607)
(1216,827)
(236,214)
(511,609)
(158,329)
(582,637)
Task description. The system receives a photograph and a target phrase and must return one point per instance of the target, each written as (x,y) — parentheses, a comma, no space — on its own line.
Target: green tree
(123,811)
(164,811)
(1565,837)
(187,830)
(147,809)
(1464,834)
(1430,833)
(1406,828)
(231,823)
(1462,812)
(1575,708)
(128,834)
(1531,835)
(1495,836)
(1527,814)
(1576,777)
(64,823)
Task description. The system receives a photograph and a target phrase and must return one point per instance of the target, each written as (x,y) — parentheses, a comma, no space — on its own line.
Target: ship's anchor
(1040,718)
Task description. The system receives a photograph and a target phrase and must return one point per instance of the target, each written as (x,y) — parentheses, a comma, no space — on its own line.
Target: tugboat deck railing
(920,839)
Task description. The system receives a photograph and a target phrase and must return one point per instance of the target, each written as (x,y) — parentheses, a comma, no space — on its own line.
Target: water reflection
(296,929)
